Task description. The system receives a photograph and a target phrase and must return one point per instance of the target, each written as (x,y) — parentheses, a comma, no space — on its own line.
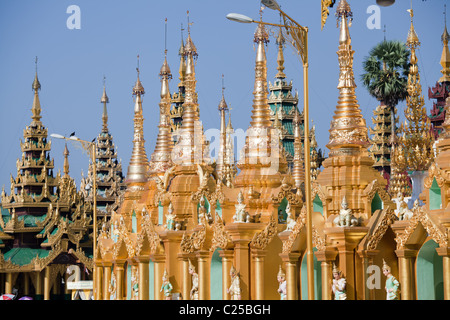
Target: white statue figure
(290,219)
(194,289)
(203,212)
(281,278)
(170,218)
(339,284)
(241,215)
(235,288)
(345,218)
(134,284)
(402,211)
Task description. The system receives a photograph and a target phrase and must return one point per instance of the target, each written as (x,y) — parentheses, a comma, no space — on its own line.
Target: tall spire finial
(138,88)
(445,58)
(66,161)
(348,127)
(36,107)
(104,100)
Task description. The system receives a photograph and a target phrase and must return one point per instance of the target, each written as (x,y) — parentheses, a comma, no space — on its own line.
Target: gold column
(326,257)
(8,283)
(106,280)
(227,261)
(98,282)
(204,275)
(26,283)
(38,289)
(158,264)
(445,254)
(258,258)
(143,265)
(186,280)
(290,264)
(119,272)
(47,283)
(406,278)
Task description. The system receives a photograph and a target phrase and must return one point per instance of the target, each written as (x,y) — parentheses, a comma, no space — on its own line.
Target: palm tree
(386,74)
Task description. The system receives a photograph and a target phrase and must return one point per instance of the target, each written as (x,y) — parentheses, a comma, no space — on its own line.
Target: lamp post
(298,36)
(91,149)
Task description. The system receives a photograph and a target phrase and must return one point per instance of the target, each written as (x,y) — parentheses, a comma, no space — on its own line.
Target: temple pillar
(172,241)
(445,254)
(119,272)
(26,283)
(8,283)
(326,258)
(186,281)
(39,285)
(204,275)
(158,265)
(106,280)
(258,258)
(144,282)
(241,235)
(367,257)
(47,282)
(345,239)
(227,261)
(291,265)
(98,282)
(406,275)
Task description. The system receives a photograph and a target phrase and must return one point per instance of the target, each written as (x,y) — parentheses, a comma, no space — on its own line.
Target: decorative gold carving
(221,238)
(262,239)
(300,223)
(434,172)
(419,215)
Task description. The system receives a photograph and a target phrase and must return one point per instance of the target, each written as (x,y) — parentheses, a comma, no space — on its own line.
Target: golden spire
(161,158)
(104,100)
(348,127)
(280,58)
(191,146)
(36,107)
(445,58)
(260,110)
(66,161)
(417,140)
(138,167)
(223,135)
(182,69)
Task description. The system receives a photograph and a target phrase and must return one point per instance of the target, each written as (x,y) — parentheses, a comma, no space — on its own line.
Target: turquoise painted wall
(216,276)
(430,283)
(317,279)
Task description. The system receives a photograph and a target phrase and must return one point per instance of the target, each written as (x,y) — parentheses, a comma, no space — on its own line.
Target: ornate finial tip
(343,10)
(261,34)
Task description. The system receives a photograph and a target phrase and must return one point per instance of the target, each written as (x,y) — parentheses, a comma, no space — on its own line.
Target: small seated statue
(402,211)
(345,218)
(241,215)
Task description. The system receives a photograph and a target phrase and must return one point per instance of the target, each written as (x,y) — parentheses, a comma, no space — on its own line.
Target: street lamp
(298,36)
(91,149)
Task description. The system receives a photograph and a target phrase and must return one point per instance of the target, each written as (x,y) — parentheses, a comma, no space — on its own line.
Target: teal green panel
(377,203)
(216,276)
(129,282)
(317,205)
(151,281)
(282,216)
(133,222)
(219,208)
(317,279)
(435,196)
(430,282)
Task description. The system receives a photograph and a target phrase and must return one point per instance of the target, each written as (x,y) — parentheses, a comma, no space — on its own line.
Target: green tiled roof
(23,256)
(289,147)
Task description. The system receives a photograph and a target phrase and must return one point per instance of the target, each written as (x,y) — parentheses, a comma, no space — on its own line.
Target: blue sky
(72,64)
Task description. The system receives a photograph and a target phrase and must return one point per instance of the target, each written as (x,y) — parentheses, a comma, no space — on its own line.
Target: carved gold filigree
(300,223)
(195,241)
(419,215)
(434,172)
(376,236)
(262,239)
(221,238)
